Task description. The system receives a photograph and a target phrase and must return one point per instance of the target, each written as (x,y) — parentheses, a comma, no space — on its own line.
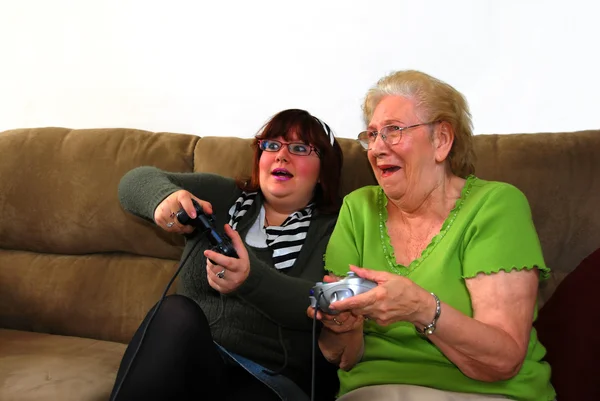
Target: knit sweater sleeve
(284,296)
(142,189)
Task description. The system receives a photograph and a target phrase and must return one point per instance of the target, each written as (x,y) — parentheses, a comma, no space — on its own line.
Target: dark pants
(179,361)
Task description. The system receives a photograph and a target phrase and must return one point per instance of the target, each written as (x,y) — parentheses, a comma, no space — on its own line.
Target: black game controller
(204,223)
(323,294)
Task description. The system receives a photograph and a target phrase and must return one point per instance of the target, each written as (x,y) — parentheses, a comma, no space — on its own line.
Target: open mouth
(387,170)
(281,174)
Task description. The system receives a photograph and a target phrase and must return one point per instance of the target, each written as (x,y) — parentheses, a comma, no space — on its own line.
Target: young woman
(238,326)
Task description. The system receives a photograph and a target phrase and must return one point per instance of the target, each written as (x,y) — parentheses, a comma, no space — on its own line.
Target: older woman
(456,260)
(237,326)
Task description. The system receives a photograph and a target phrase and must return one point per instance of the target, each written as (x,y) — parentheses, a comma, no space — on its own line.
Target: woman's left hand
(227,273)
(396,298)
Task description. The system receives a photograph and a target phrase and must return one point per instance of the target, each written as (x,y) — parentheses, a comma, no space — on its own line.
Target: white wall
(224,67)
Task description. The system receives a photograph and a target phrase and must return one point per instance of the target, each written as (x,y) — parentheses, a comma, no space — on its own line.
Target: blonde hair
(434,100)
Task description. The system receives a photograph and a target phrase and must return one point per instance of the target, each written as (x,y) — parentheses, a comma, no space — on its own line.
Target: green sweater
(270,303)
(490,229)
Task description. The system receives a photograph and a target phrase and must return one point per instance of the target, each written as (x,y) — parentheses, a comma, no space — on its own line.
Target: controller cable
(314,348)
(162,297)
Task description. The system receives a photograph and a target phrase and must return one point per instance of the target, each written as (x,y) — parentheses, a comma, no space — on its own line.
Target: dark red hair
(309,130)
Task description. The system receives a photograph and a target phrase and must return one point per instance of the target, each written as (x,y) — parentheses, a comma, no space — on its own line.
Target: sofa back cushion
(558,172)
(59,189)
(66,245)
(71,260)
(232,157)
(560,175)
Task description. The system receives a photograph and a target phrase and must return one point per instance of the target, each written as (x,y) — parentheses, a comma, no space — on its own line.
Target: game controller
(324,294)
(204,223)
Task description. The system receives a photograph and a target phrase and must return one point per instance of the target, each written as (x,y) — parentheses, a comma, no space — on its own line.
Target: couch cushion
(232,157)
(100,296)
(44,367)
(559,173)
(567,327)
(62,193)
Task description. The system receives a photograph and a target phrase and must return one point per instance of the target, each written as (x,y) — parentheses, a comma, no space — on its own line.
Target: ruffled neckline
(386,243)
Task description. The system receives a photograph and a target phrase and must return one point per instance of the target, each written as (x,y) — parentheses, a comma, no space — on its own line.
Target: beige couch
(77,274)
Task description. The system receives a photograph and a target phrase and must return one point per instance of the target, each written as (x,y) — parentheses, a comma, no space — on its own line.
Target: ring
(170,224)
(337,322)
(221,274)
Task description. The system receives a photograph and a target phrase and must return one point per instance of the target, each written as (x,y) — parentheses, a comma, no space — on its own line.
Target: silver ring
(170,224)
(337,322)
(221,274)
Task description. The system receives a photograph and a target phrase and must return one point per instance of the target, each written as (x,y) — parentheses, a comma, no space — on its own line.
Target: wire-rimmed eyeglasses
(295,148)
(390,134)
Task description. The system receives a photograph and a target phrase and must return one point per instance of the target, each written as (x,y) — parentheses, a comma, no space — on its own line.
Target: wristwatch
(430,328)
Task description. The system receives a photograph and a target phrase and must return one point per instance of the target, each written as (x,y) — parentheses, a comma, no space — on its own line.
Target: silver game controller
(324,294)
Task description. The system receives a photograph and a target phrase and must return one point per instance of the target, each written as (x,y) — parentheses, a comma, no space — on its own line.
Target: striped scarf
(285,240)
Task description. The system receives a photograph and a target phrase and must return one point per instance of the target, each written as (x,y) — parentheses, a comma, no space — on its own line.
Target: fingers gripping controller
(324,294)
(204,223)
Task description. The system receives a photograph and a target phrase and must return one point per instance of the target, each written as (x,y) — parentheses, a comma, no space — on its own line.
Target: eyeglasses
(390,134)
(295,148)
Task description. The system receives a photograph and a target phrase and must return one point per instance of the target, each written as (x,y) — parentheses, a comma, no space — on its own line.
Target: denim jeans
(285,388)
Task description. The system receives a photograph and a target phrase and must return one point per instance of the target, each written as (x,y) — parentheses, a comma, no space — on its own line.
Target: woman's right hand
(341,340)
(342,322)
(165,212)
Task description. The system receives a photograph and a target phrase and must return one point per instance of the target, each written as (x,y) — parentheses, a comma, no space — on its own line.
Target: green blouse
(490,229)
